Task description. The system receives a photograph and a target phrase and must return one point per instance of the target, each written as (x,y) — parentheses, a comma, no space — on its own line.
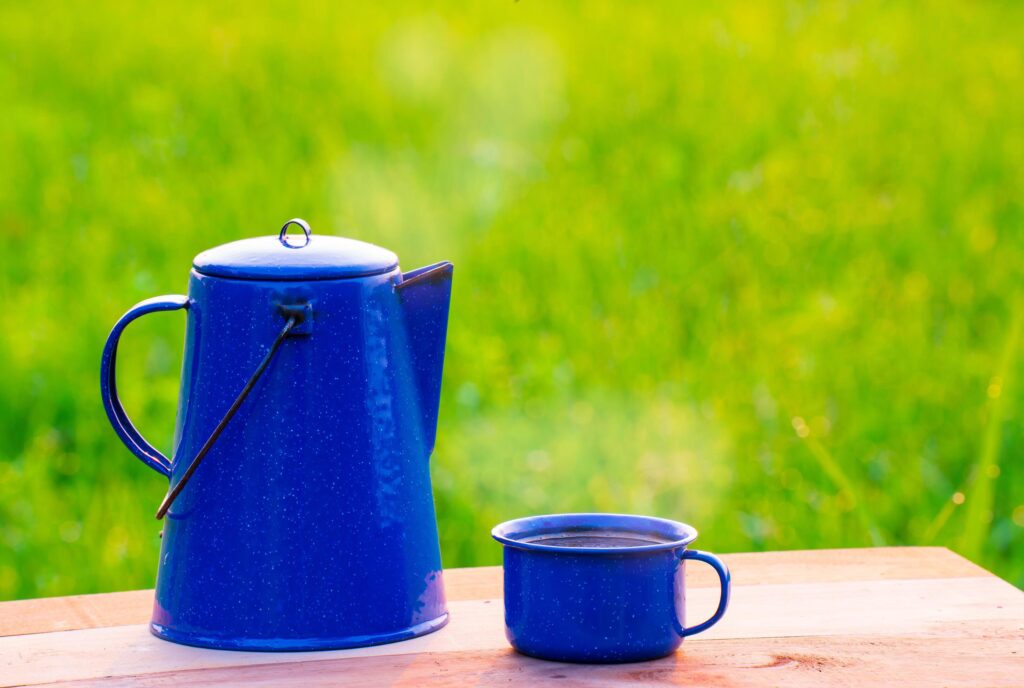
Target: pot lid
(295,257)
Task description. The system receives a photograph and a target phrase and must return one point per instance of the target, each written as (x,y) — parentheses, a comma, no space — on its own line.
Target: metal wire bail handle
(283,236)
(296,316)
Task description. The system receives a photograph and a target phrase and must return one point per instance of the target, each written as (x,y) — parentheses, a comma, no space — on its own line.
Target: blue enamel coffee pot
(300,514)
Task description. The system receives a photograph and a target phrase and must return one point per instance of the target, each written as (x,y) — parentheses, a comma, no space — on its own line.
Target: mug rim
(510,533)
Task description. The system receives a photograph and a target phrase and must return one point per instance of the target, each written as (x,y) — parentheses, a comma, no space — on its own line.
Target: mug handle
(146,452)
(724,579)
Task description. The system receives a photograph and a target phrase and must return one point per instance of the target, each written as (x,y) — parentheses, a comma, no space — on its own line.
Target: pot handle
(135,442)
(724,579)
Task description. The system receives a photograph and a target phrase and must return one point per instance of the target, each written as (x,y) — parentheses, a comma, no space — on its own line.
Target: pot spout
(425,295)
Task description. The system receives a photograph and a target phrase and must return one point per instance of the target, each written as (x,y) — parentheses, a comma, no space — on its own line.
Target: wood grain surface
(889,616)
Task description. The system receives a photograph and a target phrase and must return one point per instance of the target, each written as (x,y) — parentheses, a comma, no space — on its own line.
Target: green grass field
(757,267)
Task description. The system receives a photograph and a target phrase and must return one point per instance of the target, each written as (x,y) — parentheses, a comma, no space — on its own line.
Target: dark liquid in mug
(598,538)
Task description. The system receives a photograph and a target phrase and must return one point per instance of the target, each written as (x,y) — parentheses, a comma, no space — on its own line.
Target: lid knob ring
(283,236)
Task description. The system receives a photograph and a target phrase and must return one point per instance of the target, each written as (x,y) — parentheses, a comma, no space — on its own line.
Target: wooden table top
(911,616)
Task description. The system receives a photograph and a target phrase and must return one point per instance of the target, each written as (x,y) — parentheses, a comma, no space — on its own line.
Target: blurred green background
(756,266)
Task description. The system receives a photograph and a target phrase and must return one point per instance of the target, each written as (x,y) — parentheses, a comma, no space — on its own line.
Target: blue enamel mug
(600,587)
